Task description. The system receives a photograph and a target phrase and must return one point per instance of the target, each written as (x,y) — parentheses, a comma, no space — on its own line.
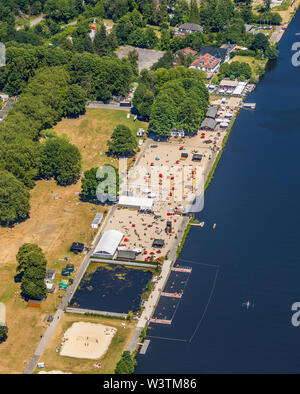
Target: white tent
(108,243)
(136,202)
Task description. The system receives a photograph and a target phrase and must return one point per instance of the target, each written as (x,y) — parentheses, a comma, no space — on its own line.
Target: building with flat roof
(126,255)
(141,203)
(108,244)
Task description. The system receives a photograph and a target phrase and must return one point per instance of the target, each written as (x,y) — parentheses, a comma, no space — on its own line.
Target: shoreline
(210,175)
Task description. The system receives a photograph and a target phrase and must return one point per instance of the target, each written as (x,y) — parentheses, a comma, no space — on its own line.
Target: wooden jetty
(173,295)
(182,269)
(160,321)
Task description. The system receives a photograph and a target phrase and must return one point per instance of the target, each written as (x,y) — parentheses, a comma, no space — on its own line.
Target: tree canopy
(126,365)
(32,264)
(61,160)
(122,142)
(14,199)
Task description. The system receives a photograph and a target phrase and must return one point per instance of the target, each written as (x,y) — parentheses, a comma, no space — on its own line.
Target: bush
(3,333)
(126,364)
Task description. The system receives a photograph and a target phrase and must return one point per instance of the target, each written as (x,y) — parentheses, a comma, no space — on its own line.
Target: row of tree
(172,98)
(235,70)
(46,99)
(100,77)
(32,269)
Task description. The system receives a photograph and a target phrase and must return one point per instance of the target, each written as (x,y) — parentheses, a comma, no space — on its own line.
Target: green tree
(133,58)
(100,41)
(14,199)
(260,42)
(61,160)
(75,101)
(122,142)
(3,333)
(30,256)
(143,100)
(126,364)
(194,12)
(32,264)
(20,156)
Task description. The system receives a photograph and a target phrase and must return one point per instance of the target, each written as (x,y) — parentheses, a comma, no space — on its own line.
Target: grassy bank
(211,174)
(186,231)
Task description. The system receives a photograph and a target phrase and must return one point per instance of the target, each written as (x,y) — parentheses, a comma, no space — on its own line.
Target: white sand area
(87,340)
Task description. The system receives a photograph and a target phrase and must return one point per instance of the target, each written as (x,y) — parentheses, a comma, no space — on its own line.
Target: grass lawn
(57,218)
(91,131)
(54,361)
(253,63)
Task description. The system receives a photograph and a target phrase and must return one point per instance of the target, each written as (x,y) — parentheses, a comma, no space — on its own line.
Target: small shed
(77,247)
(197,157)
(126,255)
(158,243)
(34,303)
(97,220)
(184,155)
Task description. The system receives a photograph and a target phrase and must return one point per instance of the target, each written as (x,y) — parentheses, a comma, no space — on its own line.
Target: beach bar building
(108,244)
(208,124)
(126,255)
(212,112)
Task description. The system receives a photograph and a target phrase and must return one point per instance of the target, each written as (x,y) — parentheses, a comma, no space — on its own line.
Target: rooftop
(208,61)
(188,51)
(191,26)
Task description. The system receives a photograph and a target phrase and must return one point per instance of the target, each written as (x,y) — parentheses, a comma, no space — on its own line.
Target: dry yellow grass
(91,131)
(54,223)
(54,361)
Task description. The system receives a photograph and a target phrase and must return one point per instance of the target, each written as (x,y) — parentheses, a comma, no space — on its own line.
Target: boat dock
(144,346)
(248,105)
(160,321)
(182,269)
(198,224)
(174,295)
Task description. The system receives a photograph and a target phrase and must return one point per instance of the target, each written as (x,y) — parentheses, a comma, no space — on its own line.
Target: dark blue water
(254,200)
(117,289)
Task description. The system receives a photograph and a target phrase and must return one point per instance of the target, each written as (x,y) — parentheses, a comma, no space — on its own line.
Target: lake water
(254,252)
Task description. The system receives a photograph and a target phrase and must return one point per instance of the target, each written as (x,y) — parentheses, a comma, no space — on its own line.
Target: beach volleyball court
(87,340)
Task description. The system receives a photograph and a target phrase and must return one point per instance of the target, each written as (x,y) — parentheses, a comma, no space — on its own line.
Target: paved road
(33,22)
(7,106)
(276,36)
